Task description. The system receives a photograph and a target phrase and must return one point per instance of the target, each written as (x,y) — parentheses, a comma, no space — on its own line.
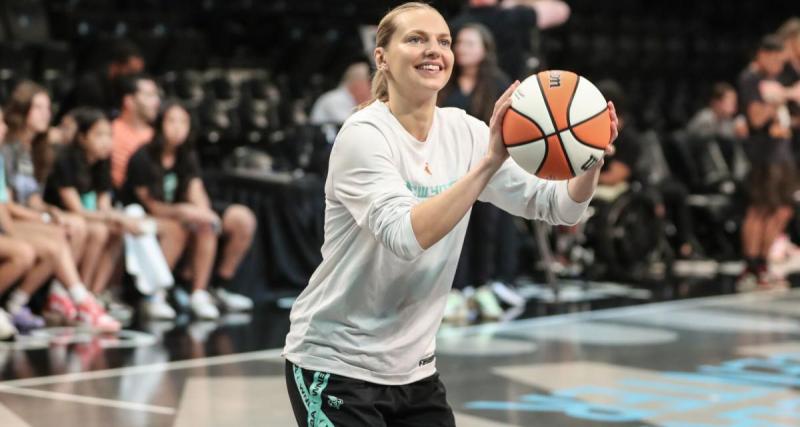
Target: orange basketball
(558,125)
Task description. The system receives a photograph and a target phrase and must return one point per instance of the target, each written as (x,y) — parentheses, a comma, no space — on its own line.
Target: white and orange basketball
(558,125)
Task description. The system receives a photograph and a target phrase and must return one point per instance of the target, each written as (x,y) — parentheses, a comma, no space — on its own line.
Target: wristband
(47,218)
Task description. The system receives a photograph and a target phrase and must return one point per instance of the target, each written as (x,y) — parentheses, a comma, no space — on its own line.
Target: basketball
(558,125)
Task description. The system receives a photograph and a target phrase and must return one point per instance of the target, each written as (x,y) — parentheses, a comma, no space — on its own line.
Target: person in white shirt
(403,177)
(337,105)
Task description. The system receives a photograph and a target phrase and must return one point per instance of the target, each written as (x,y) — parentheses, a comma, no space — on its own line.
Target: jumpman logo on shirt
(428,169)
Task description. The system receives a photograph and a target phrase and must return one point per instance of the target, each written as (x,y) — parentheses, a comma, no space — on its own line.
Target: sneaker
(115,307)
(508,294)
(156,307)
(92,314)
(7,329)
(60,311)
(456,309)
(488,304)
(746,282)
(231,301)
(203,306)
(25,321)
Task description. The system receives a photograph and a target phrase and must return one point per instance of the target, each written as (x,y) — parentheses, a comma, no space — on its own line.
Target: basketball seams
(547,105)
(588,119)
(574,135)
(571,98)
(566,154)
(533,122)
(519,144)
(544,157)
(583,142)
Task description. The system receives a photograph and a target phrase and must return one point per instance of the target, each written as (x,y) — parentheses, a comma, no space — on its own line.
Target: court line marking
(77,398)
(649,308)
(143,369)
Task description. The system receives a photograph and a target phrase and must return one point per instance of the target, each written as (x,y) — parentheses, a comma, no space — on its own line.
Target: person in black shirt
(164,177)
(490,245)
(80,182)
(772,180)
(515,27)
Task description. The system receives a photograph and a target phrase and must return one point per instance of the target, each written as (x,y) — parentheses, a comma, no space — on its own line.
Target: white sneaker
(456,309)
(488,304)
(203,306)
(231,301)
(508,294)
(7,329)
(157,308)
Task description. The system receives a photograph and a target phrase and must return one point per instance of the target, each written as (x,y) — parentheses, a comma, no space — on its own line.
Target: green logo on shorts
(334,402)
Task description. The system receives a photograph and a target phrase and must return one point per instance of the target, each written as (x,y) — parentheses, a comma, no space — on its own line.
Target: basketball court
(717,361)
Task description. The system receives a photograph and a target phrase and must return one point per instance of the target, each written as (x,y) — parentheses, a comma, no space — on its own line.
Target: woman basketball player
(403,176)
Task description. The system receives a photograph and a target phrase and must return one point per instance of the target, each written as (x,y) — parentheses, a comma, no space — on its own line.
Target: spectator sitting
(717,119)
(165,178)
(81,183)
(717,122)
(52,257)
(336,105)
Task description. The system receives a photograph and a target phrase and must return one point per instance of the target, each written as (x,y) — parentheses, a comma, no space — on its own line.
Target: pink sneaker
(93,315)
(60,310)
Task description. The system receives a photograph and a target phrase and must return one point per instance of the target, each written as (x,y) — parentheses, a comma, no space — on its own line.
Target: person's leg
(675,195)
(421,403)
(774,225)
(204,248)
(96,241)
(484,231)
(47,253)
(507,248)
(238,227)
(77,233)
(751,233)
(17,258)
(204,252)
(48,239)
(320,398)
(107,263)
(172,237)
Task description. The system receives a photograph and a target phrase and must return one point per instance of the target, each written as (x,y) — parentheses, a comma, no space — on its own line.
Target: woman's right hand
(498,153)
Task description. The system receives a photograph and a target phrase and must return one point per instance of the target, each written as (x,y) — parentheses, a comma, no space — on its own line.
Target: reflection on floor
(719,361)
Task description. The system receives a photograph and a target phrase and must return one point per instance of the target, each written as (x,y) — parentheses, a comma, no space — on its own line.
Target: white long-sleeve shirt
(372,308)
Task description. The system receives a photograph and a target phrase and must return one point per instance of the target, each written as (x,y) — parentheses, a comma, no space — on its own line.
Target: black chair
(26,20)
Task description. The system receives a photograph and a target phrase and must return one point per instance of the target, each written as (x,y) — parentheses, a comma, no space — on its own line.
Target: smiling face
(418,59)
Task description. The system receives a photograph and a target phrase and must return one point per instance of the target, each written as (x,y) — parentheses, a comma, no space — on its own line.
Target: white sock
(78,292)
(17,300)
(58,288)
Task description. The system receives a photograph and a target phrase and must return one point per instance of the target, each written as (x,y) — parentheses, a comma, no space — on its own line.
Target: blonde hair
(386,29)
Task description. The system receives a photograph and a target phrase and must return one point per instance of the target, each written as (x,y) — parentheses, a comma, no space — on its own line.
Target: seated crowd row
(76,197)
